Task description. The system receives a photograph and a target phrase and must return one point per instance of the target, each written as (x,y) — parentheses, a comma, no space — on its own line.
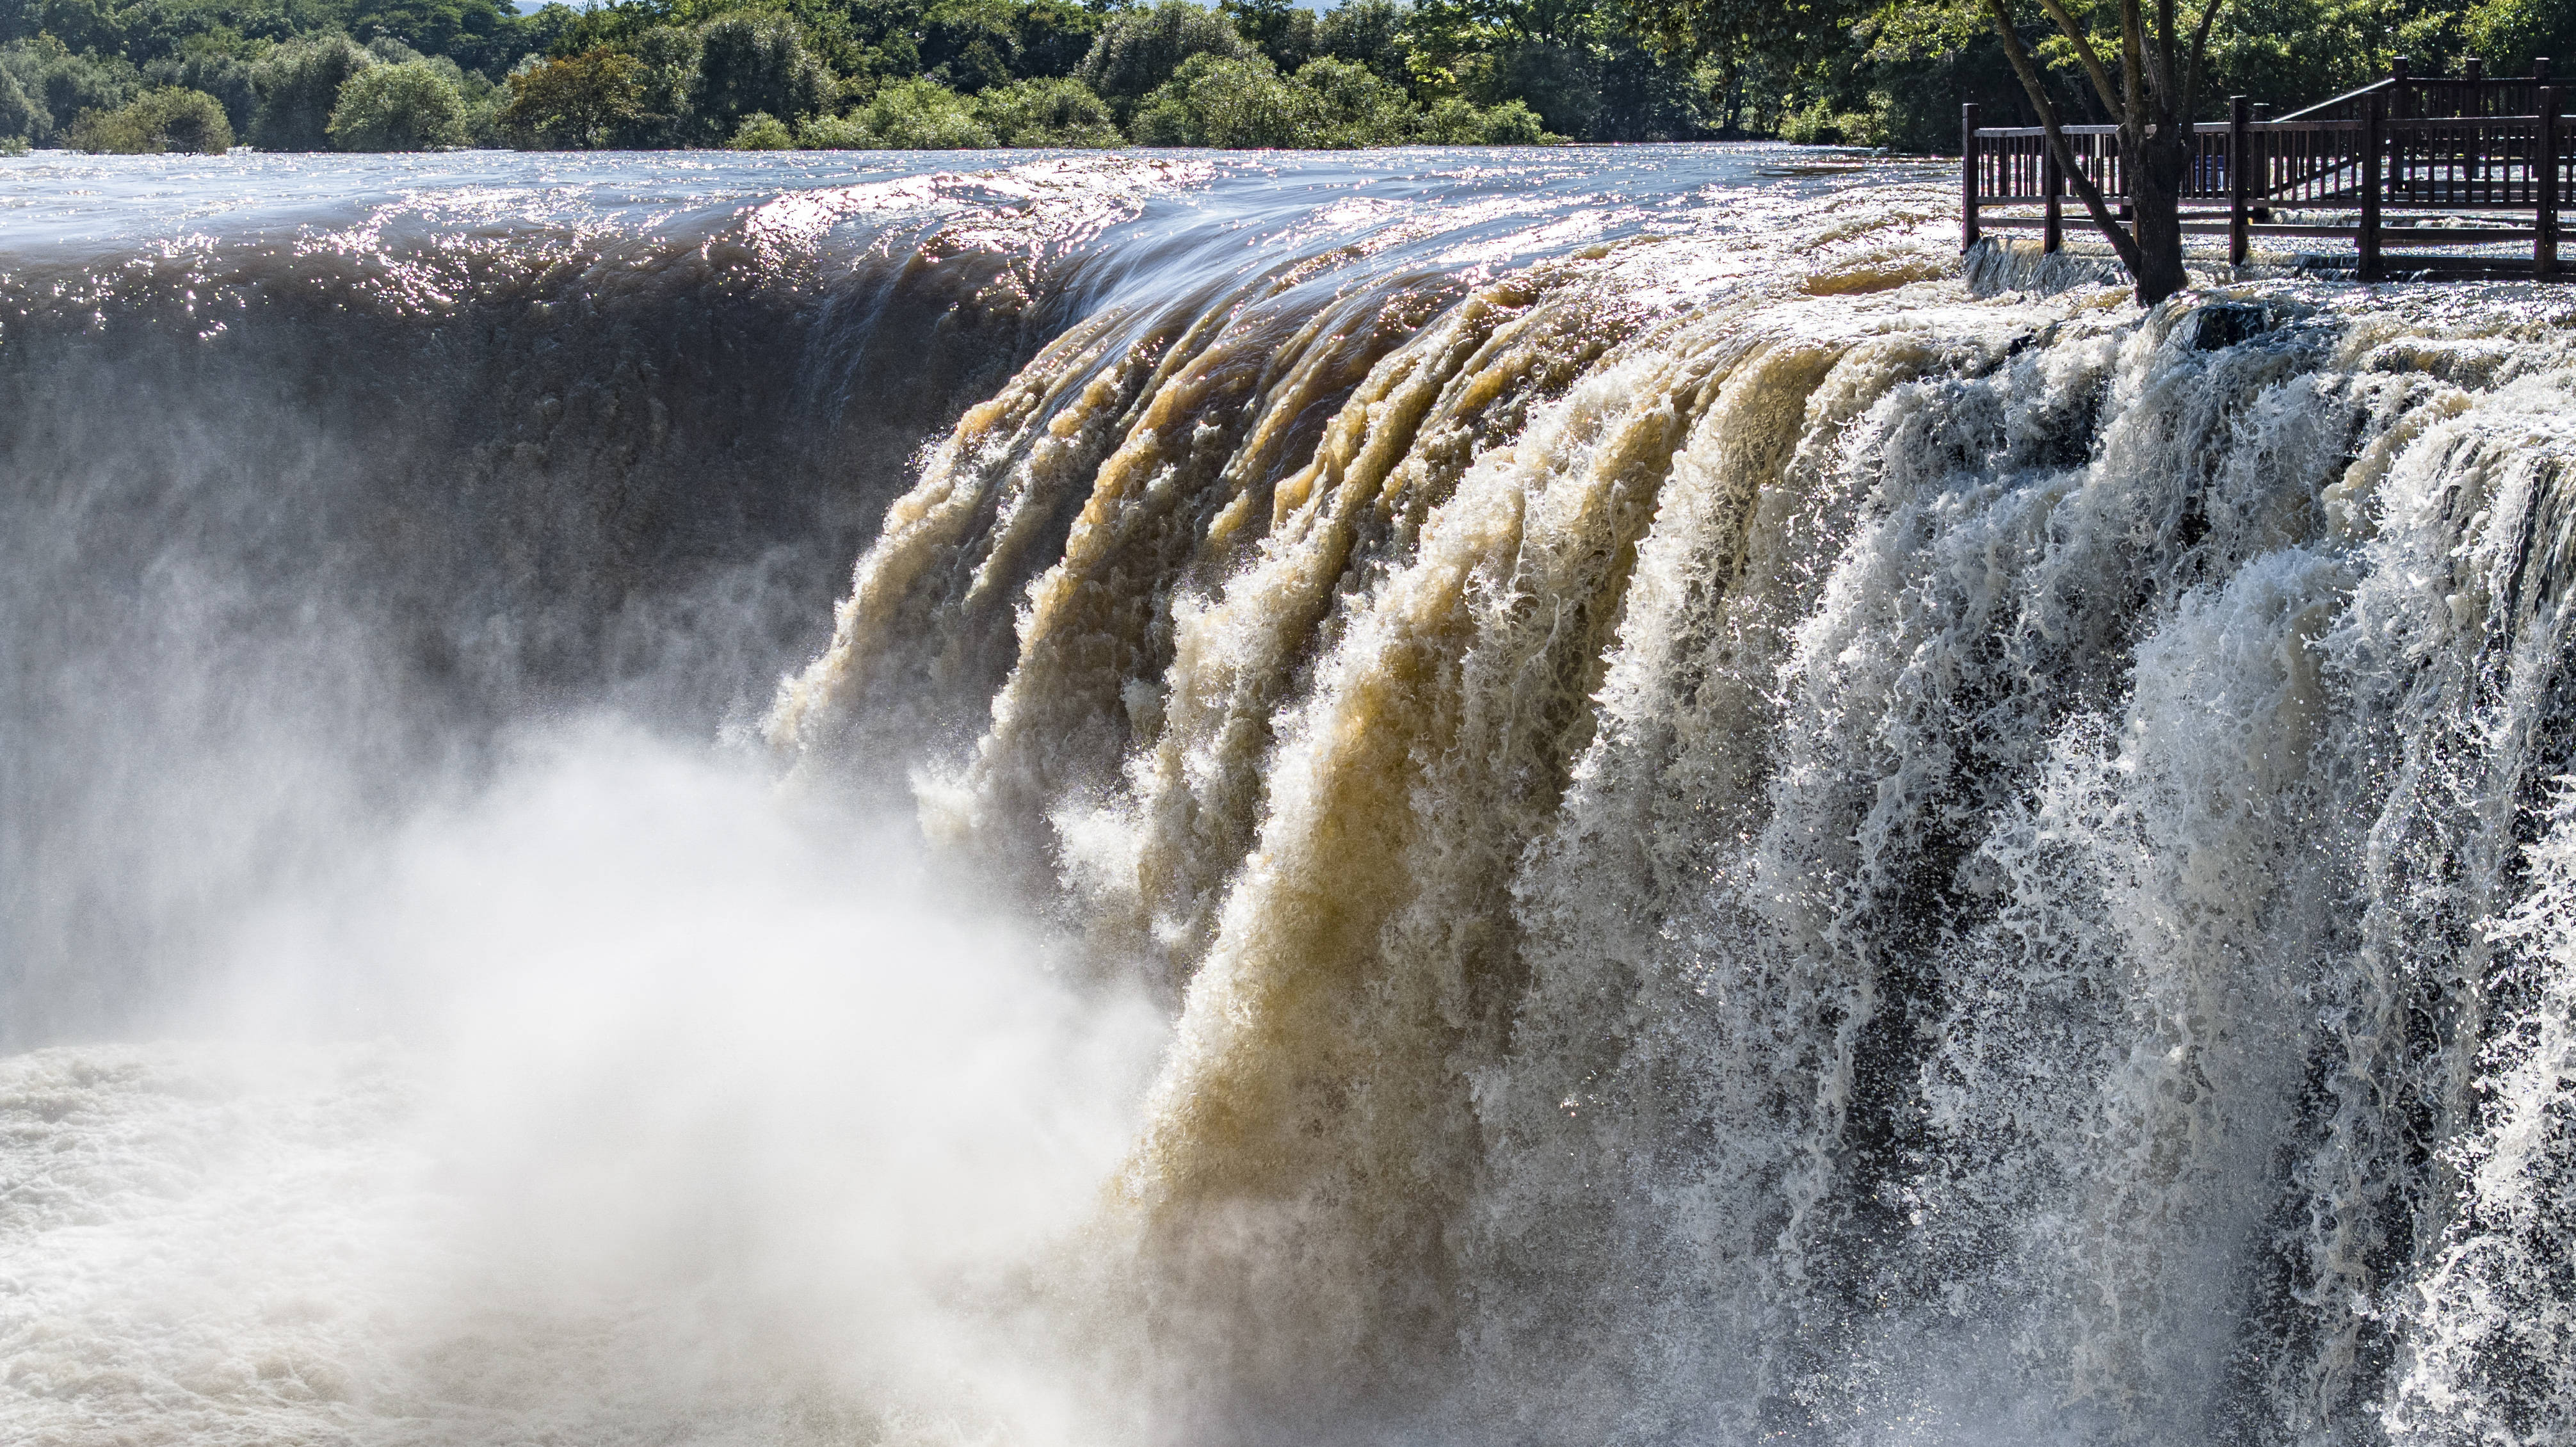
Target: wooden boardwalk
(2459,176)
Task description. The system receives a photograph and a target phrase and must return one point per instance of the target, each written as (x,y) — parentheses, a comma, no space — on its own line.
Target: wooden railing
(2448,152)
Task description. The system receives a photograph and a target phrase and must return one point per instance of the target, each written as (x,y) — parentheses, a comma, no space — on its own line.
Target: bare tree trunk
(2154,101)
(2161,165)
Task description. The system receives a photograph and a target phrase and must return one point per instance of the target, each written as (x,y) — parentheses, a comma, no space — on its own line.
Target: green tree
(1367,32)
(756,63)
(85,27)
(2510,32)
(155,122)
(217,72)
(968,45)
(20,120)
(581,102)
(60,86)
(668,57)
(298,87)
(1231,103)
(1456,121)
(476,34)
(761,131)
(922,115)
(1356,108)
(1048,111)
(1144,49)
(407,107)
(1288,33)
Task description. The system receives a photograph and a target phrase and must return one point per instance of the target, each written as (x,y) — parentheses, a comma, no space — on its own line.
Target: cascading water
(1464,797)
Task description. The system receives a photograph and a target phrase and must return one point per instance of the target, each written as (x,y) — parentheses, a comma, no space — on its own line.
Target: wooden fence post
(1967,175)
(2052,231)
(2544,245)
(2479,193)
(2240,178)
(2374,121)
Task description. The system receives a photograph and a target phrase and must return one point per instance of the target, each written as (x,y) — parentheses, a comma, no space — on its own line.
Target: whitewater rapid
(1456,797)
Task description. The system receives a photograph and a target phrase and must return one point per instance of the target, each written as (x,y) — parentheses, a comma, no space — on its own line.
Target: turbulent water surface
(1432,797)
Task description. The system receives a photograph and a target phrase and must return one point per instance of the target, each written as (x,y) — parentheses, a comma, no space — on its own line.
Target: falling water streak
(1850,860)
(1748,837)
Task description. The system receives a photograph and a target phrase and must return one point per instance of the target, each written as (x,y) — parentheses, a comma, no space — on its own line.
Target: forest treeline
(302,75)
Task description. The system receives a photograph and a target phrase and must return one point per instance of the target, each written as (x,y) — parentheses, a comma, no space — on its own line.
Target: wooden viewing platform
(2412,161)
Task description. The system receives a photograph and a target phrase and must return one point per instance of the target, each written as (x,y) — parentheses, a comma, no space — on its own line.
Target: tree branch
(2094,206)
(2133,66)
(2084,52)
(2161,78)
(2199,53)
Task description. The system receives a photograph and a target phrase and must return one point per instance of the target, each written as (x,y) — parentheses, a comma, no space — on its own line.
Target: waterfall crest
(1838,853)
(1569,796)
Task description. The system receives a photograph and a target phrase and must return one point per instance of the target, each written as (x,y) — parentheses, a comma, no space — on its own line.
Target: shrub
(1234,104)
(1819,124)
(299,88)
(761,131)
(1454,122)
(404,107)
(154,122)
(1056,111)
(1358,108)
(1143,49)
(1513,123)
(581,102)
(922,115)
(836,133)
(751,64)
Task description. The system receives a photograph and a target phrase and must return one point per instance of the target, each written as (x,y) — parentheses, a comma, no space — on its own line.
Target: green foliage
(1354,108)
(1142,50)
(1101,72)
(20,120)
(668,59)
(1232,103)
(479,35)
(298,86)
(1456,121)
(218,73)
(761,131)
(57,86)
(1370,33)
(412,106)
(578,103)
(756,64)
(974,45)
(922,115)
(1288,33)
(1054,111)
(154,122)
(2510,32)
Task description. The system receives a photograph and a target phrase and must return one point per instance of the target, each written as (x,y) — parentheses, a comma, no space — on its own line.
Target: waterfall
(1849,856)
(1614,821)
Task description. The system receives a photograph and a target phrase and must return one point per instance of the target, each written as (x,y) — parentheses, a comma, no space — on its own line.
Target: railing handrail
(2220,128)
(2383,83)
